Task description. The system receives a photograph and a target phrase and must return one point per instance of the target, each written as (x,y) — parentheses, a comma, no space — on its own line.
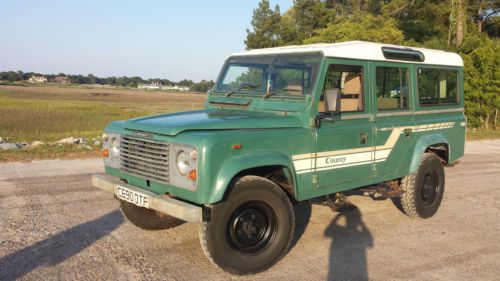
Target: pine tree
(265,27)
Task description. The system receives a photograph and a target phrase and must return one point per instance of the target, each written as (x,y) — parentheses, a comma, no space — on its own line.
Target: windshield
(284,75)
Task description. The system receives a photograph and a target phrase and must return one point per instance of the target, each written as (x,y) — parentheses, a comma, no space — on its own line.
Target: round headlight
(115,146)
(182,162)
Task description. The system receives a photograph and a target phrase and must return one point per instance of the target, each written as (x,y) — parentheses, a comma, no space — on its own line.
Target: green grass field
(29,113)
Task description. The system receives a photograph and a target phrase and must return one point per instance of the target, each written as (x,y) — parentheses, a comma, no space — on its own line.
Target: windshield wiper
(292,90)
(270,94)
(284,90)
(242,85)
(274,93)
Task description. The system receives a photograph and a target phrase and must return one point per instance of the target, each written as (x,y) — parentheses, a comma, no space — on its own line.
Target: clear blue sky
(166,39)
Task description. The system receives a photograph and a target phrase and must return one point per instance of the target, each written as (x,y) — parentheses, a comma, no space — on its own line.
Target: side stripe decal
(335,159)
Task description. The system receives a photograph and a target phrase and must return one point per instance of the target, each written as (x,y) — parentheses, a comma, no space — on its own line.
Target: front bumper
(162,204)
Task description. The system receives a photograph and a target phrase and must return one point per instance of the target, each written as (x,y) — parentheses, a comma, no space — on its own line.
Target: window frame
(437,68)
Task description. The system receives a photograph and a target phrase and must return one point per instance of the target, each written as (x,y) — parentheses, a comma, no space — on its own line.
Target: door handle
(407,132)
(363,137)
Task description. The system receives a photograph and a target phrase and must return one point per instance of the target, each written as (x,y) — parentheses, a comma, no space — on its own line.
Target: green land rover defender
(290,124)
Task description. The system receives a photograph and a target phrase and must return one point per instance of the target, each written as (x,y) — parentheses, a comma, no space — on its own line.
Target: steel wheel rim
(430,187)
(252,227)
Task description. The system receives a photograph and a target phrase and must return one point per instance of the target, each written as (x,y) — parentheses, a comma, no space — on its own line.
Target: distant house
(152,86)
(61,80)
(183,88)
(159,86)
(176,88)
(37,79)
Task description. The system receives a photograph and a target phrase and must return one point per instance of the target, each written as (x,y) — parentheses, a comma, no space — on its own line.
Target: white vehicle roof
(359,50)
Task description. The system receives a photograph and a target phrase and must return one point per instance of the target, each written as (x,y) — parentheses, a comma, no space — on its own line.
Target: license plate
(133,197)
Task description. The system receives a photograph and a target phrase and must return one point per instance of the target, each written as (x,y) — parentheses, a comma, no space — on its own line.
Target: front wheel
(251,230)
(423,190)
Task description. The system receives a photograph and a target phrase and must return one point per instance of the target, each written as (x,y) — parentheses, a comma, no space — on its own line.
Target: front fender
(235,165)
(422,144)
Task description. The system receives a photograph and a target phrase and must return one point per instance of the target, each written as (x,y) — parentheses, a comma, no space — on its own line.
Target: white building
(176,88)
(37,79)
(152,86)
(159,86)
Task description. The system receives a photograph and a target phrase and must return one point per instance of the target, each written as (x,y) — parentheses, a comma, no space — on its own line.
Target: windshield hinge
(312,122)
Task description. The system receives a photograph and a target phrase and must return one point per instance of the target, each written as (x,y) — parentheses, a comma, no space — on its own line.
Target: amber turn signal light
(105,153)
(193,175)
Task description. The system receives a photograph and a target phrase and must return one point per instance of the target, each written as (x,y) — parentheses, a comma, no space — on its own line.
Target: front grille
(145,158)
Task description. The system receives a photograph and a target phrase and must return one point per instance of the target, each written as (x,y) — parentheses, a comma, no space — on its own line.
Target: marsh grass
(47,114)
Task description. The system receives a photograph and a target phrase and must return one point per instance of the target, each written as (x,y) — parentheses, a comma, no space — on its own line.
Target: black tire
(251,230)
(423,190)
(147,219)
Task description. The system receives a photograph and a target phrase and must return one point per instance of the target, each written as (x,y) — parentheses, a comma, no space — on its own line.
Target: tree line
(124,81)
(470,28)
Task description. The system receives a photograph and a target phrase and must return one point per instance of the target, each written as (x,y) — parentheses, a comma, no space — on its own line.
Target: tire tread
(408,190)
(203,229)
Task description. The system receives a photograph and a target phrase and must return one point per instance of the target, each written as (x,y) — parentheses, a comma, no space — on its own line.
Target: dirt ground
(55,226)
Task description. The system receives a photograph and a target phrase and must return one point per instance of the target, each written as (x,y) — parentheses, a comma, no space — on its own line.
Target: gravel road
(55,226)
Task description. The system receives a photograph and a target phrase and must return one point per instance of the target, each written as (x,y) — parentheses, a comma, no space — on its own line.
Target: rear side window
(392,88)
(437,87)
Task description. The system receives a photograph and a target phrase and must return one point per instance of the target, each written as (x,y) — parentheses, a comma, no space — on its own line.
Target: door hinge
(315,179)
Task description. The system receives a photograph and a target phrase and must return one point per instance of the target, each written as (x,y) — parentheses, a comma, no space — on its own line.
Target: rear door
(394,109)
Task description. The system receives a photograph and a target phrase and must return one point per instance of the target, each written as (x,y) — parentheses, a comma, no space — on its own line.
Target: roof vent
(406,54)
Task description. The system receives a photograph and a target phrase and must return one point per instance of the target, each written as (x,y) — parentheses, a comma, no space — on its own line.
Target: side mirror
(332,100)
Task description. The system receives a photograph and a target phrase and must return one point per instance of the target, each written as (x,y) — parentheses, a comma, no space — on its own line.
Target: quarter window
(392,88)
(437,87)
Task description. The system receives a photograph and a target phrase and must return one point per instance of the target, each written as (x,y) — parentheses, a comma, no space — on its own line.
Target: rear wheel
(147,219)
(423,190)
(251,230)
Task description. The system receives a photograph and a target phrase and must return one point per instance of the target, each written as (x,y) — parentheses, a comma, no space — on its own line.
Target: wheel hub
(252,227)
(430,187)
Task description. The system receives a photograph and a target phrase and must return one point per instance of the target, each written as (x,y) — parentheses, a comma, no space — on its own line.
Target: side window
(392,88)
(437,86)
(346,81)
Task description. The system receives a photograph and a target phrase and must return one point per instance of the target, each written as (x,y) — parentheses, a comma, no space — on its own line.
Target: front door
(344,152)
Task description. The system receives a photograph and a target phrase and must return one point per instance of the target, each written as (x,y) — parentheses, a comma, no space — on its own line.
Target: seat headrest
(352,84)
